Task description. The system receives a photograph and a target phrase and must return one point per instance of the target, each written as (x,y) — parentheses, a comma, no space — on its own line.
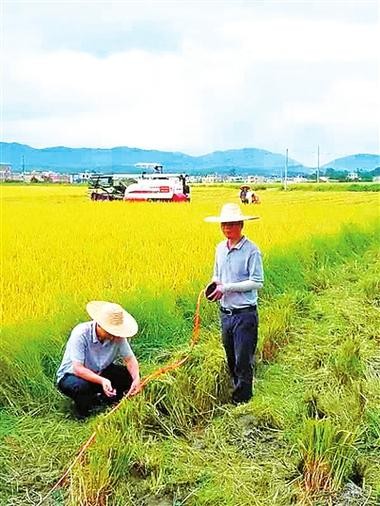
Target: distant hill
(246,157)
(355,162)
(122,159)
(76,159)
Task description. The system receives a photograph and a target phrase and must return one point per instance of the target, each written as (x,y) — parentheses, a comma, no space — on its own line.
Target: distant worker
(255,198)
(247,196)
(87,373)
(238,275)
(244,194)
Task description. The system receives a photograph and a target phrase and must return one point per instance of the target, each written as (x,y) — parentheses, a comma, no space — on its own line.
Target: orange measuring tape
(155,374)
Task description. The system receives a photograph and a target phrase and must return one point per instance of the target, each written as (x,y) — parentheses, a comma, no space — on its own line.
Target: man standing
(238,275)
(87,373)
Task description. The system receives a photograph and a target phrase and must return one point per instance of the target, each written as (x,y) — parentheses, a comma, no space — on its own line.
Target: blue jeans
(239,335)
(86,394)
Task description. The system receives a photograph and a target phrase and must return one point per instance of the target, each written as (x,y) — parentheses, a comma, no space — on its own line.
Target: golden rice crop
(57,246)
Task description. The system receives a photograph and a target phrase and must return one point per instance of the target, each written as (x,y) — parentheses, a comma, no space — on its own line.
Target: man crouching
(87,373)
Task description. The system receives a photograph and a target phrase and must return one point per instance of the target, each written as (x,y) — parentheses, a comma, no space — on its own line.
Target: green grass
(328,187)
(328,455)
(304,435)
(313,420)
(166,321)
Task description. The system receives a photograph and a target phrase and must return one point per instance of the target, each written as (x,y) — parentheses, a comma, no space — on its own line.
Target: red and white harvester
(152,185)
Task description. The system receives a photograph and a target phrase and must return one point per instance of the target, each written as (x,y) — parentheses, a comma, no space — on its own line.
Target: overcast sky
(193,76)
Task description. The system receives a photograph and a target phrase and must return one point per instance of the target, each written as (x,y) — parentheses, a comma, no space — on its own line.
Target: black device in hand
(210,288)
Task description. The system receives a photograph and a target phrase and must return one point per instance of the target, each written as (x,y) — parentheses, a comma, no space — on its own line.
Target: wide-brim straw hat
(112,318)
(230,213)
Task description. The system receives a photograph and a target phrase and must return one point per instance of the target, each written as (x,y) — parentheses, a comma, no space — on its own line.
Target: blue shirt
(84,347)
(240,263)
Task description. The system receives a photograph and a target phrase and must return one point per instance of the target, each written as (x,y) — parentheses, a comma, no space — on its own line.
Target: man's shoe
(81,415)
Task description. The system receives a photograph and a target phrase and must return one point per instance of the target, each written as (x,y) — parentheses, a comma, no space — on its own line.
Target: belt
(237,310)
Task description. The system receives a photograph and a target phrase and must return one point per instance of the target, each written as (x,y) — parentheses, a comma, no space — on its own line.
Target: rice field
(60,250)
(311,433)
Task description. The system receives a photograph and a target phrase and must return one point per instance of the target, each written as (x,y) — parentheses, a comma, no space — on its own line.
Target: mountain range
(364,162)
(122,159)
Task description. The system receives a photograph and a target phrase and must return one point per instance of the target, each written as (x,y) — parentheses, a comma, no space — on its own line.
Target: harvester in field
(152,185)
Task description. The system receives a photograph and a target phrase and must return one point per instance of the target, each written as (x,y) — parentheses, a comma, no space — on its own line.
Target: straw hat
(230,213)
(112,318)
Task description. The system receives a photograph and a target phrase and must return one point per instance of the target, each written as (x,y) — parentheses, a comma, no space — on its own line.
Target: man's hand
(217,294)
(107,388)
(135,387)
(133,369)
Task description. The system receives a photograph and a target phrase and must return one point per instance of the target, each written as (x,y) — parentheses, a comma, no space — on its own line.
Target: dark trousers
(86,394)
(239,334)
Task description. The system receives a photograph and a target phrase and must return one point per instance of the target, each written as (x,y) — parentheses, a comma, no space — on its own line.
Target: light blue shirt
(84,347)
(240,263)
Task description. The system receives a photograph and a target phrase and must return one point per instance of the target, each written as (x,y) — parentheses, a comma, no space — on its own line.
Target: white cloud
(206,76)
(304,40)
(347,101)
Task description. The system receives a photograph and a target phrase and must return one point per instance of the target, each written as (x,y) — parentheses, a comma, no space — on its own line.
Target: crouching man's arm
(133,368)
(83,372)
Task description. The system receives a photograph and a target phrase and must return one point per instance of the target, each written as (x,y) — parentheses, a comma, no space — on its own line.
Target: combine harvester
(152,186)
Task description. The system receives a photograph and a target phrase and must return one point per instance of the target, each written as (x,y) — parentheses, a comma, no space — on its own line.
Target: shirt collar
(238,245)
